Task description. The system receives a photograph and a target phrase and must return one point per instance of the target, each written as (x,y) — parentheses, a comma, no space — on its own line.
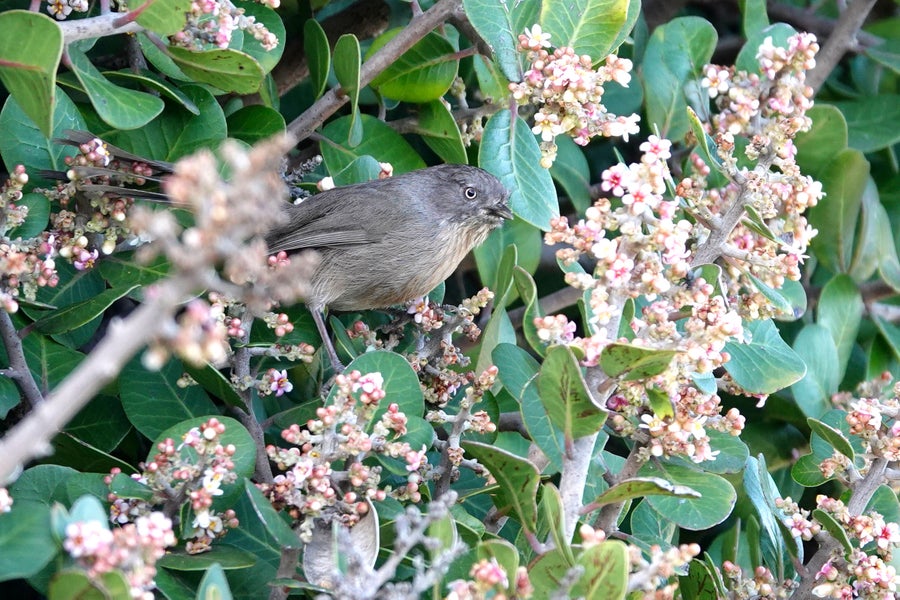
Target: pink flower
(280,384)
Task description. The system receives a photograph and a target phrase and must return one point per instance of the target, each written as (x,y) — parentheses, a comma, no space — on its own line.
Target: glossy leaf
(571,171)
(421,74)
(163,17)
(529,294)
(510,151)
(440,131)
(318,55)
(765,364)
(826,138)
(834,437)
(634,362)
(75,315)
(254,123)
(347,64)
(274,523)
(833,527)
(566,397)
(675,55)
(836,215)
(499,24)
(714,504)
(223,68)
(516,477)
(840,311)
(590,27)
(639,487)
(866,117)
(154,403)
(214,585)
(813,392)
(26,539)
(378,140)
(28,63)
(605,571)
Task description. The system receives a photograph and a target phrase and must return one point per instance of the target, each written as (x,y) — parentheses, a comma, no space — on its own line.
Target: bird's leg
(319,318)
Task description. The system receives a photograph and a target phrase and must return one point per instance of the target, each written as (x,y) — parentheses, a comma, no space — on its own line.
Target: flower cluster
(25,264)
(770,109)
(61,9)
(865,572)
(132,549)
(345,431)
(490,580)
(215,21)
(194,471)
(763,584)
(568,93)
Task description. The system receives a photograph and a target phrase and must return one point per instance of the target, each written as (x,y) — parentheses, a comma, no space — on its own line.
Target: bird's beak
(501,209)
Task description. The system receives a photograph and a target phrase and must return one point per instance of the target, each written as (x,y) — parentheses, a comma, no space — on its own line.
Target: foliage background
(841,331)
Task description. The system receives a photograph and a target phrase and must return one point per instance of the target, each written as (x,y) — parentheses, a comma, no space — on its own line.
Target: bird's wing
(334,219)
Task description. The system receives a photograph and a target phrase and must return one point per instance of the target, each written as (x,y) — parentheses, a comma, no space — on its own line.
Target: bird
(380,243)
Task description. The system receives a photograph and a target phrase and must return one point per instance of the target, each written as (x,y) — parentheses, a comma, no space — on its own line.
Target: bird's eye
(470,193)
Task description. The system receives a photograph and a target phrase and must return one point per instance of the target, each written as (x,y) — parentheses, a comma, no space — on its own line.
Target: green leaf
(49,361)
(176,133)
(75,315)
(154,82)
(517,481)
(28,63)
(401,385)
(37,218)
(26,538)
(421,74)
(499,24)
(717,496)
(754,15)
(244,457)
(566,397)
(439,130)
(638,487)
(816,348)
(891,334)
(675,56)
(318,55)
(571,171)
(347,64)
(364,168)
(263,15)
(836,215)
(254,123)
(884,246)
(760,488)
(551,519)
(779,32)
(765,363)
(509,151)
(605,572)
(163,17)
(699,584)
(706,146)
(75,585)
(866,118)
(214,585)
(124,486)
(270,518)
(378,140)
(840,311)
(590,27)
(213,381)
(836,530)
(526,238)
(826,139)
(834,437)
(23,143)
(529,294)
(121,269)
(119,107)
(634,362)
(223,68)
(153,401)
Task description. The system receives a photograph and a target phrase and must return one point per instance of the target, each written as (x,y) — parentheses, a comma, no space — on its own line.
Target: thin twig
(18,367)
(418,28)
(841,39)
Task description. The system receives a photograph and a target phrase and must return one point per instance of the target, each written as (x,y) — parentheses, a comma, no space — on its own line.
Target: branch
(18,367)
(31,437)
(94,27)
(418,27)
(840,40)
